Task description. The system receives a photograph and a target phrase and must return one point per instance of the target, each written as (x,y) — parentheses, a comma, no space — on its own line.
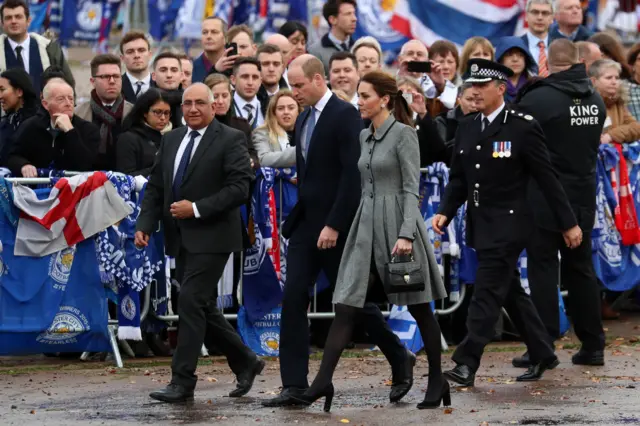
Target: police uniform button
(477,166)
(368,166)
(528,117)
(477,204)
(417,127)
(520,114)
(461,151)
(510,211)
(477,185)
(478,147)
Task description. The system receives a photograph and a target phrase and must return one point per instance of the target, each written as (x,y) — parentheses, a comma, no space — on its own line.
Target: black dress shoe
(285,399)
(521,361)
(536,371)
(462,375)
(173,393)
(246,378)
(584,357)
(402,387)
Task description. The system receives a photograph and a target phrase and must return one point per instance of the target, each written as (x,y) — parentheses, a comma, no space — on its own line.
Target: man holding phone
(414,62)
(216,57)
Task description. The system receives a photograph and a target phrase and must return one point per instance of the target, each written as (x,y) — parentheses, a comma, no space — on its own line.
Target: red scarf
(625,212)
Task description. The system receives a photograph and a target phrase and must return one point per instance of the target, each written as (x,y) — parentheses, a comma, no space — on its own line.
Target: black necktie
(139,84)
(485,124)
(345,47)
(182,166)
(19,57)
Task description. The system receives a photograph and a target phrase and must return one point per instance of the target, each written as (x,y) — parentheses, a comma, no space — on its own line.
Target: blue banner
(162,17)
(81,20)
(263,334)
(39,11)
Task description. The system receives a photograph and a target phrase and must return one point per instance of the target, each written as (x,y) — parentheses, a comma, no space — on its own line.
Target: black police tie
(139,84)
(485,124)
(19,57)
(182,166)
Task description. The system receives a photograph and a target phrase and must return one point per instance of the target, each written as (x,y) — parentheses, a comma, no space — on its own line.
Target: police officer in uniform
(497,150)
(571,114)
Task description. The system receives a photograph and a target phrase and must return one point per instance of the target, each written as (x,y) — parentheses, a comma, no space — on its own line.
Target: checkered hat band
(489,73)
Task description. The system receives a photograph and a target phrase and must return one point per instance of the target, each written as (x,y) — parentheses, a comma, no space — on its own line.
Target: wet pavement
(42,391)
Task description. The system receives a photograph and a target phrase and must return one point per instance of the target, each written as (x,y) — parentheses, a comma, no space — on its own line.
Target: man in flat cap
(497,151)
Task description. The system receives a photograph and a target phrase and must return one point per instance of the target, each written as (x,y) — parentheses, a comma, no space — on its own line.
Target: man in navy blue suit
(327,151)
(537,39)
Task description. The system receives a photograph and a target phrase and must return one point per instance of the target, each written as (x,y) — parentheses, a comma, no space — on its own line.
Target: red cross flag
(76,209)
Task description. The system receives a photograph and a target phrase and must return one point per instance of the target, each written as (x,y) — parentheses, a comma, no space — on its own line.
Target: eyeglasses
(108,77)
(198,104)
(543,13)
(160,113)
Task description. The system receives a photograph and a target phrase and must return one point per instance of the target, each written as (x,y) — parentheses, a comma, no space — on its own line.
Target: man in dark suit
(569,18)
(327,150)
(496,152)
(539,17)
(199,181)
(135,52)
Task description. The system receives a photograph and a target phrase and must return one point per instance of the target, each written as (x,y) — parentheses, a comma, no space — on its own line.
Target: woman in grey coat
(388,222)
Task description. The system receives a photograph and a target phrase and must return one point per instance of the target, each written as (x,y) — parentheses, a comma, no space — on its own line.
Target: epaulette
(514,113)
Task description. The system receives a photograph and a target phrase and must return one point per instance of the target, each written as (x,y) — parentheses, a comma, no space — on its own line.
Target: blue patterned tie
(182,167)
(311,124)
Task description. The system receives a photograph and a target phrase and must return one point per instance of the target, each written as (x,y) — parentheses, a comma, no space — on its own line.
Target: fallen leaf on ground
(209,401)
(212,379)
(388,382)
(491,379)
(484,424)
(344,420)
(448,410)
(33,411)
(473,410)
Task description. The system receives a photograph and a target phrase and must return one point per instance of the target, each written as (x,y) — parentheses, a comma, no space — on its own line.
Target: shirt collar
(354,100)
(241,102)
(323,101)
(533,40)
(337,42)
(25,44)
(494,114)
(201,131)
(146,81)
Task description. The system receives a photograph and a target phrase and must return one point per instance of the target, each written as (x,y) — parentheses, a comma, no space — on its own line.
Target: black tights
(340,335)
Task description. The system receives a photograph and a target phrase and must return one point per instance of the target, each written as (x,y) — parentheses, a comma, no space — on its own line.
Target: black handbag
(403,277)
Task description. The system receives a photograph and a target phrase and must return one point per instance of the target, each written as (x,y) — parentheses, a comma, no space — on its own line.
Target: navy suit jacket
(328,180)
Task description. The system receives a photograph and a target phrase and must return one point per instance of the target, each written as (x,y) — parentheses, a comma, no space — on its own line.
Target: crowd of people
(358,136)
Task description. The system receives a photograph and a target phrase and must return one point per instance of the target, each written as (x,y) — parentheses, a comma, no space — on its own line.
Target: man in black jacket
(571,114)
(55,138)
(167,75)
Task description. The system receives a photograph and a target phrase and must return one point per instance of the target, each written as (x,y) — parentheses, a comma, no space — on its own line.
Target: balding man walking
(199,181)
(327,150)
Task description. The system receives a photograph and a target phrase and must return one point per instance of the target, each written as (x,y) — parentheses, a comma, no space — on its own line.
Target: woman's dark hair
(19,79)
(384,84)
(612,48)
(142,106)
(290,27)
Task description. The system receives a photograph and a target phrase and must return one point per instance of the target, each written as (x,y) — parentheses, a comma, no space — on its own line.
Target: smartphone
(419,66)
(234,47)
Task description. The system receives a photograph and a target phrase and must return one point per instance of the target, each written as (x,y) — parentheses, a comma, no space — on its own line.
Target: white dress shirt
(240,103)
(146,83)
(25,50)
(533,46)
(354,100)
(285,75)
(317,111)
(493,115)
(181,149)
(447,97)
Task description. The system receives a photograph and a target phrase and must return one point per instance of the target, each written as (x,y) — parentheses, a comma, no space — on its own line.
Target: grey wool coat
(390,170)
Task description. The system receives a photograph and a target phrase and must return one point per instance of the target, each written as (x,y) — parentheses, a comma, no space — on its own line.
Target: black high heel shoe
(306,399)
(444,398)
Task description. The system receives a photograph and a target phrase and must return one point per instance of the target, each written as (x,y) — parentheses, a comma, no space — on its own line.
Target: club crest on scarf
(270,342)
(66,326)
(60,266)
(128,308)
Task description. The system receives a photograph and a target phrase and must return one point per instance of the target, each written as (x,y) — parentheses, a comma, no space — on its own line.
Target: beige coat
(624,128)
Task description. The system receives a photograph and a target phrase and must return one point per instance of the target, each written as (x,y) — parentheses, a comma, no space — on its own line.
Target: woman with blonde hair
(475,47)
(387,227)
(272,140)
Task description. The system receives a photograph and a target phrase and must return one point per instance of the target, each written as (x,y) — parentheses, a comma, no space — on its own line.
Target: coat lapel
(206,141)
(172,151)
(323,120)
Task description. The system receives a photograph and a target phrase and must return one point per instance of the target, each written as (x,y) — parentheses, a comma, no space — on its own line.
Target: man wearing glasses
(539,18)
(199,181)
(106,108)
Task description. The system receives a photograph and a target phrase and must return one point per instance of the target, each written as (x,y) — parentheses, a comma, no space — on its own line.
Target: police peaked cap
(483,71)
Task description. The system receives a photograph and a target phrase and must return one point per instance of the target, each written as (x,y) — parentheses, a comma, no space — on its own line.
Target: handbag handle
(395,257)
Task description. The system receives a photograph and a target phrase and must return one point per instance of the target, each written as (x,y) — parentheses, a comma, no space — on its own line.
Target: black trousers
(304,263)
(578,278)
(498,285)
(200,317)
